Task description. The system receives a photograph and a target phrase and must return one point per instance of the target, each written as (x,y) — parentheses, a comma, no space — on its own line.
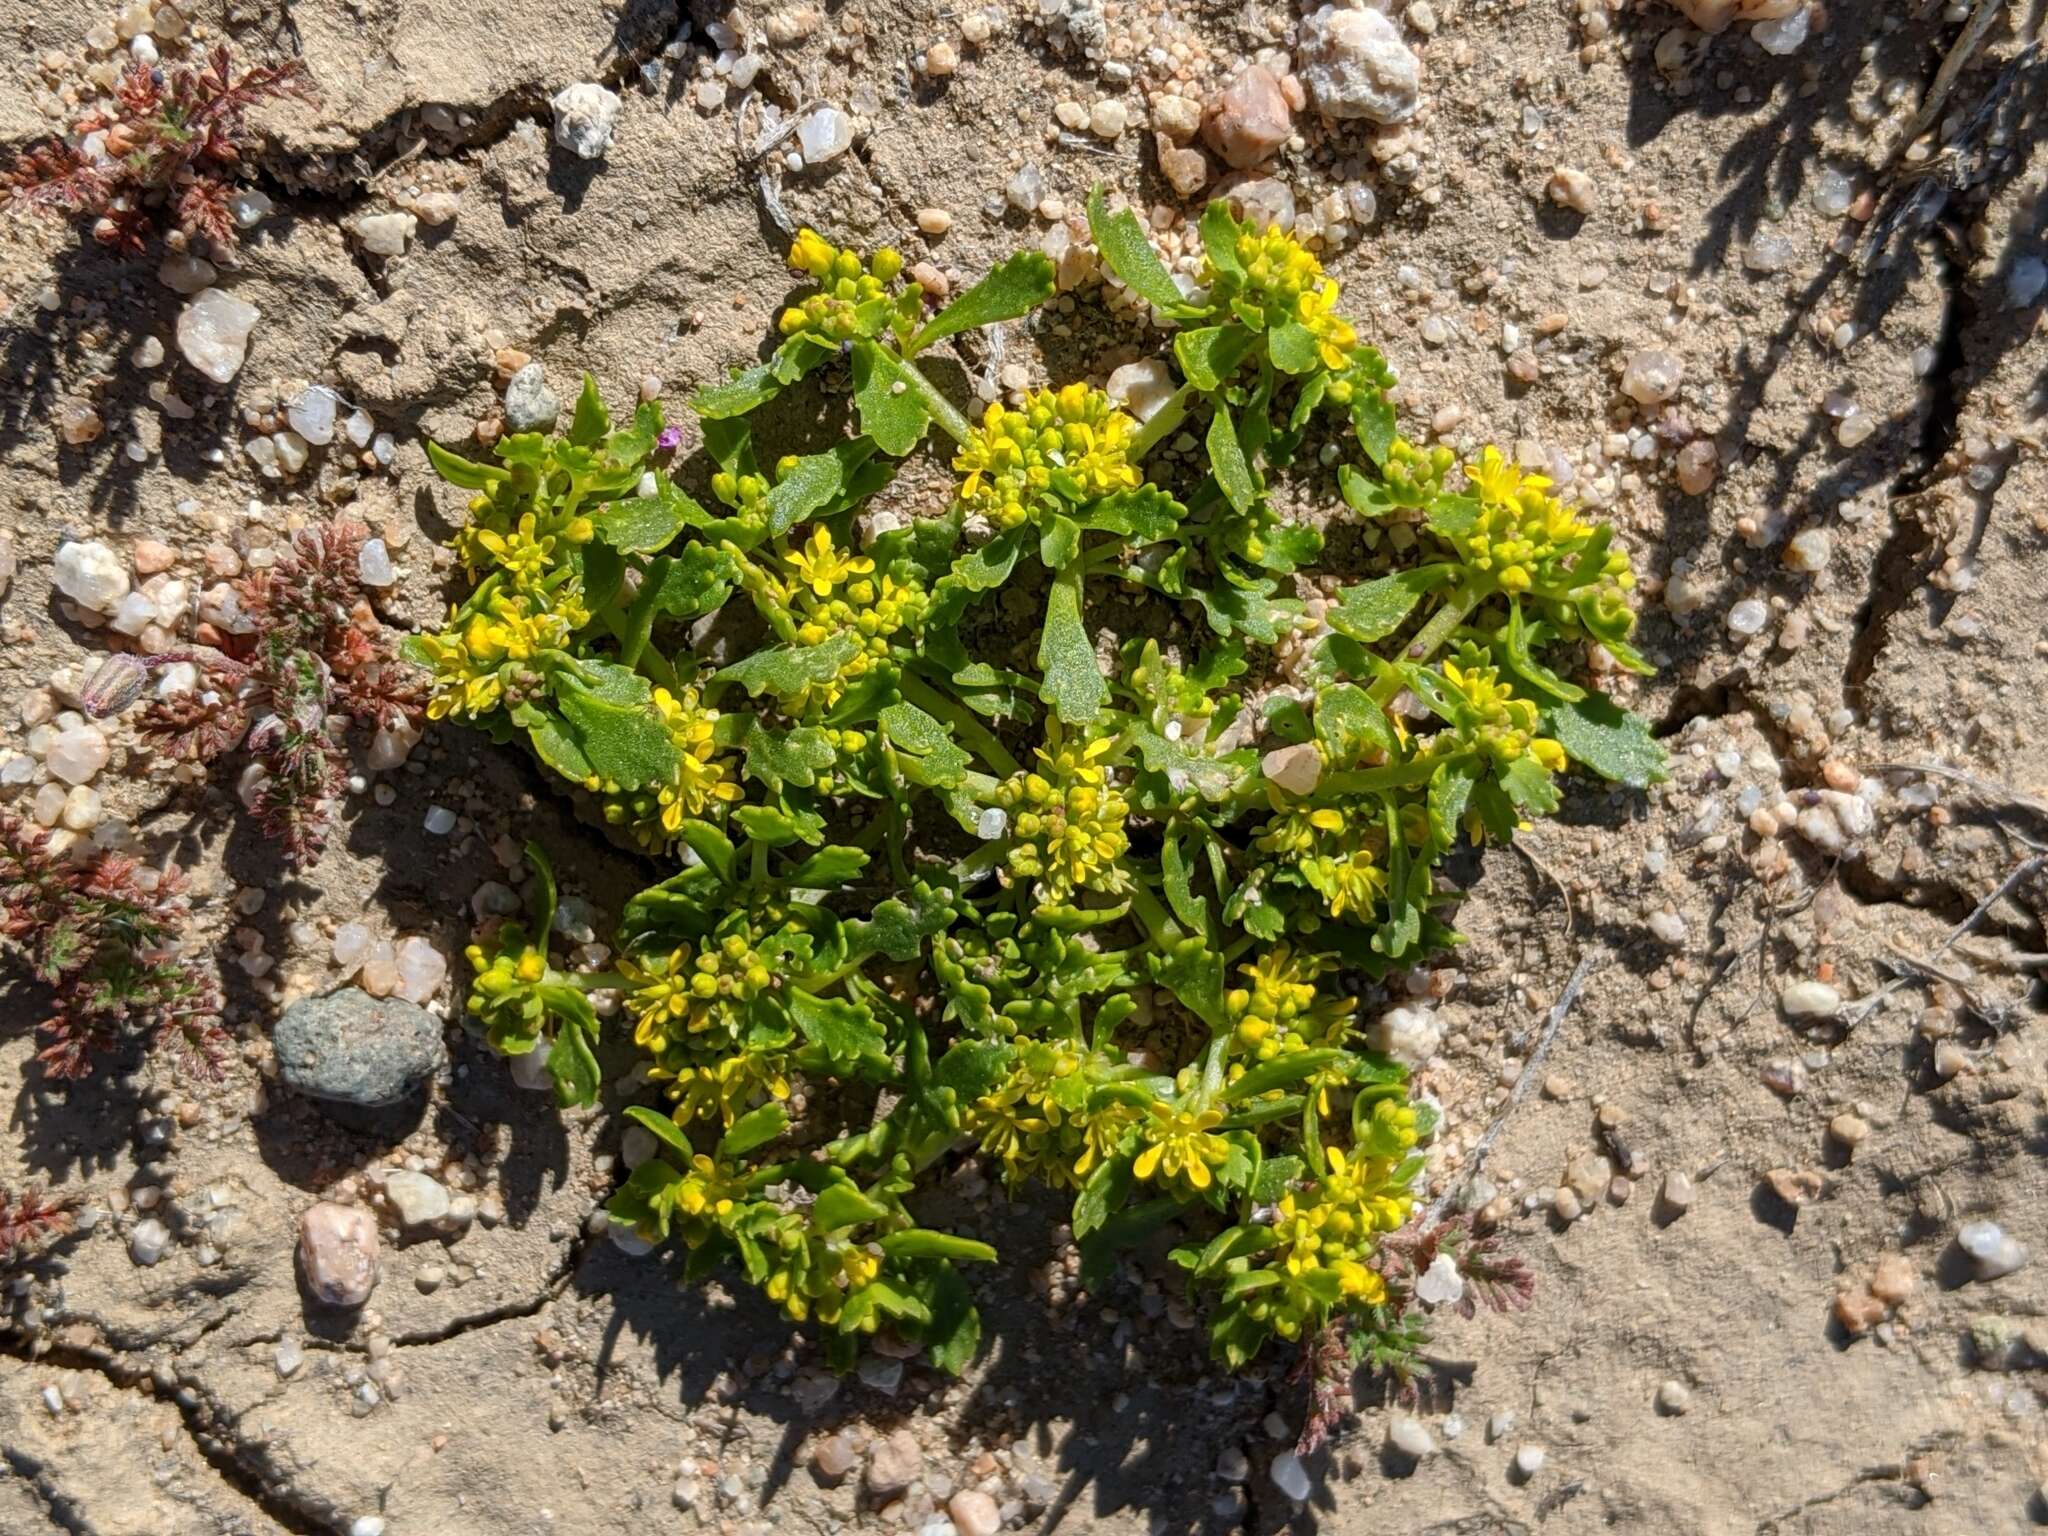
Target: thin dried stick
(1984,786)
(1865,1006)
(1477,1158)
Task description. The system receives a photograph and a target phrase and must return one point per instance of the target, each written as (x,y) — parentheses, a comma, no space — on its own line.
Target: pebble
(288,1356)
(184,273)
(77,754)
(1678,1191)
(419,1200)
(1440,1285)
(1108,118)
(1768,251)
(1850,1130)
(1410,1437)
(149,1240)
(1529,1461)
(1810,1000)
(1573,189)
(1185,167)
(974,1513)
(1141,388)
(386,234)
(1795,1186)
(833,1458)
(1410,1035)
(1698,465)
(1673,1398)
(213,333)
(1250,119)
(530,406)
(895,1463)
(1809,551)
(1993,1252)
(934,221)
(1858,1311)
(824,135)
(1748,617)
(367,1525)
(338,1253)
(585,116)
(440,821)
(1354,64)
(1893,1280)
(311,414)
(1652,377)
(352,1049)
(1293,769)
(91,575)
(1291,1477)
(248,208)
(373,564)
(1782,34)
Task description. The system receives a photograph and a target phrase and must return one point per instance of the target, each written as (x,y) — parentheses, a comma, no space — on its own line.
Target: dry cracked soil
(1859,324)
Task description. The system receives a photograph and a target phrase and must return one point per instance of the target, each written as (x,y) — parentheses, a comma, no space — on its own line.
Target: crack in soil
(245,1466)
(508,1312)
(34,1474)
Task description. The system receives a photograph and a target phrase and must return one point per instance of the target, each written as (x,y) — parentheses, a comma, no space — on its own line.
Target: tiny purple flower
(669,439)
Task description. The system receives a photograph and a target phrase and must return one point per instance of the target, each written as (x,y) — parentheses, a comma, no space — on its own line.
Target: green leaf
(1515,640)
(746,390)
(1191,909)
(713,847)
(1209,355)
(1226,458)
(1128,252)
(779,828)
(754,1129)
(922,1243)
(614,724)
(1220,232)
(1281,1072)
(639,525)
(892,409)
(952,1336)
(1375,609)
(1599,734)
(787,670)
(1012,288)
(1349,723)
(828,868)
(1292,347)
(544,878)
(813,482)
(843,1205)
(629,445)
(1104,1192)
(911,729)
(1372,418)
(698,579)
(844,1031)
(1273,1178)
(592,420)
(1074,686)
(462,472)
(775,758)
(662,1128)
(556,746)
(1529,785)
(573,1064)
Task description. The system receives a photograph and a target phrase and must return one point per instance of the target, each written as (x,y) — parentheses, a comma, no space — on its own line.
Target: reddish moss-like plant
(315,658)
(171,138)
(27,1221)
(103,935)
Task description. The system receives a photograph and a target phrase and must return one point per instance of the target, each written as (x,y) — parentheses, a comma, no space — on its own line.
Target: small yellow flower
(1067,822)
(1069,446)
(1181,1145)
(847,288)
(821,567)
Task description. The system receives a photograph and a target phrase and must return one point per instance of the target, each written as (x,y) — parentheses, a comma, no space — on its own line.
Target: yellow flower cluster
(812,1276)
(1333,858)
(702,780)
(477,658)
(1524,535)
(853,297)
(1504,727)
(723,1089)
(1070,444)
(1280,1011)
(1182,1148)
(1067,819)
(1025,1129)
(679,994)
(1284,281)
(836,592)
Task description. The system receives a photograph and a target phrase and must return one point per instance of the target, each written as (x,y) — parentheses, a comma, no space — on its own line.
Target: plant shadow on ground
(1112,1418)
(1991,125)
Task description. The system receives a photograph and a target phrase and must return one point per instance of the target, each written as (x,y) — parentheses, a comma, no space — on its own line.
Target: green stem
(976,735)
(951,422)
(1152,913)
(1154,431)
(1442,625)
(640,617)
(590,981)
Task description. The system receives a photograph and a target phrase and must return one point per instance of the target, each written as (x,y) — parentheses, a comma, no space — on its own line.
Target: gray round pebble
(351,1048)
(530,406)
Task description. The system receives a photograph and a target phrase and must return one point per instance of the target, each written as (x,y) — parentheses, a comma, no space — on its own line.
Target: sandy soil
(545,1382)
